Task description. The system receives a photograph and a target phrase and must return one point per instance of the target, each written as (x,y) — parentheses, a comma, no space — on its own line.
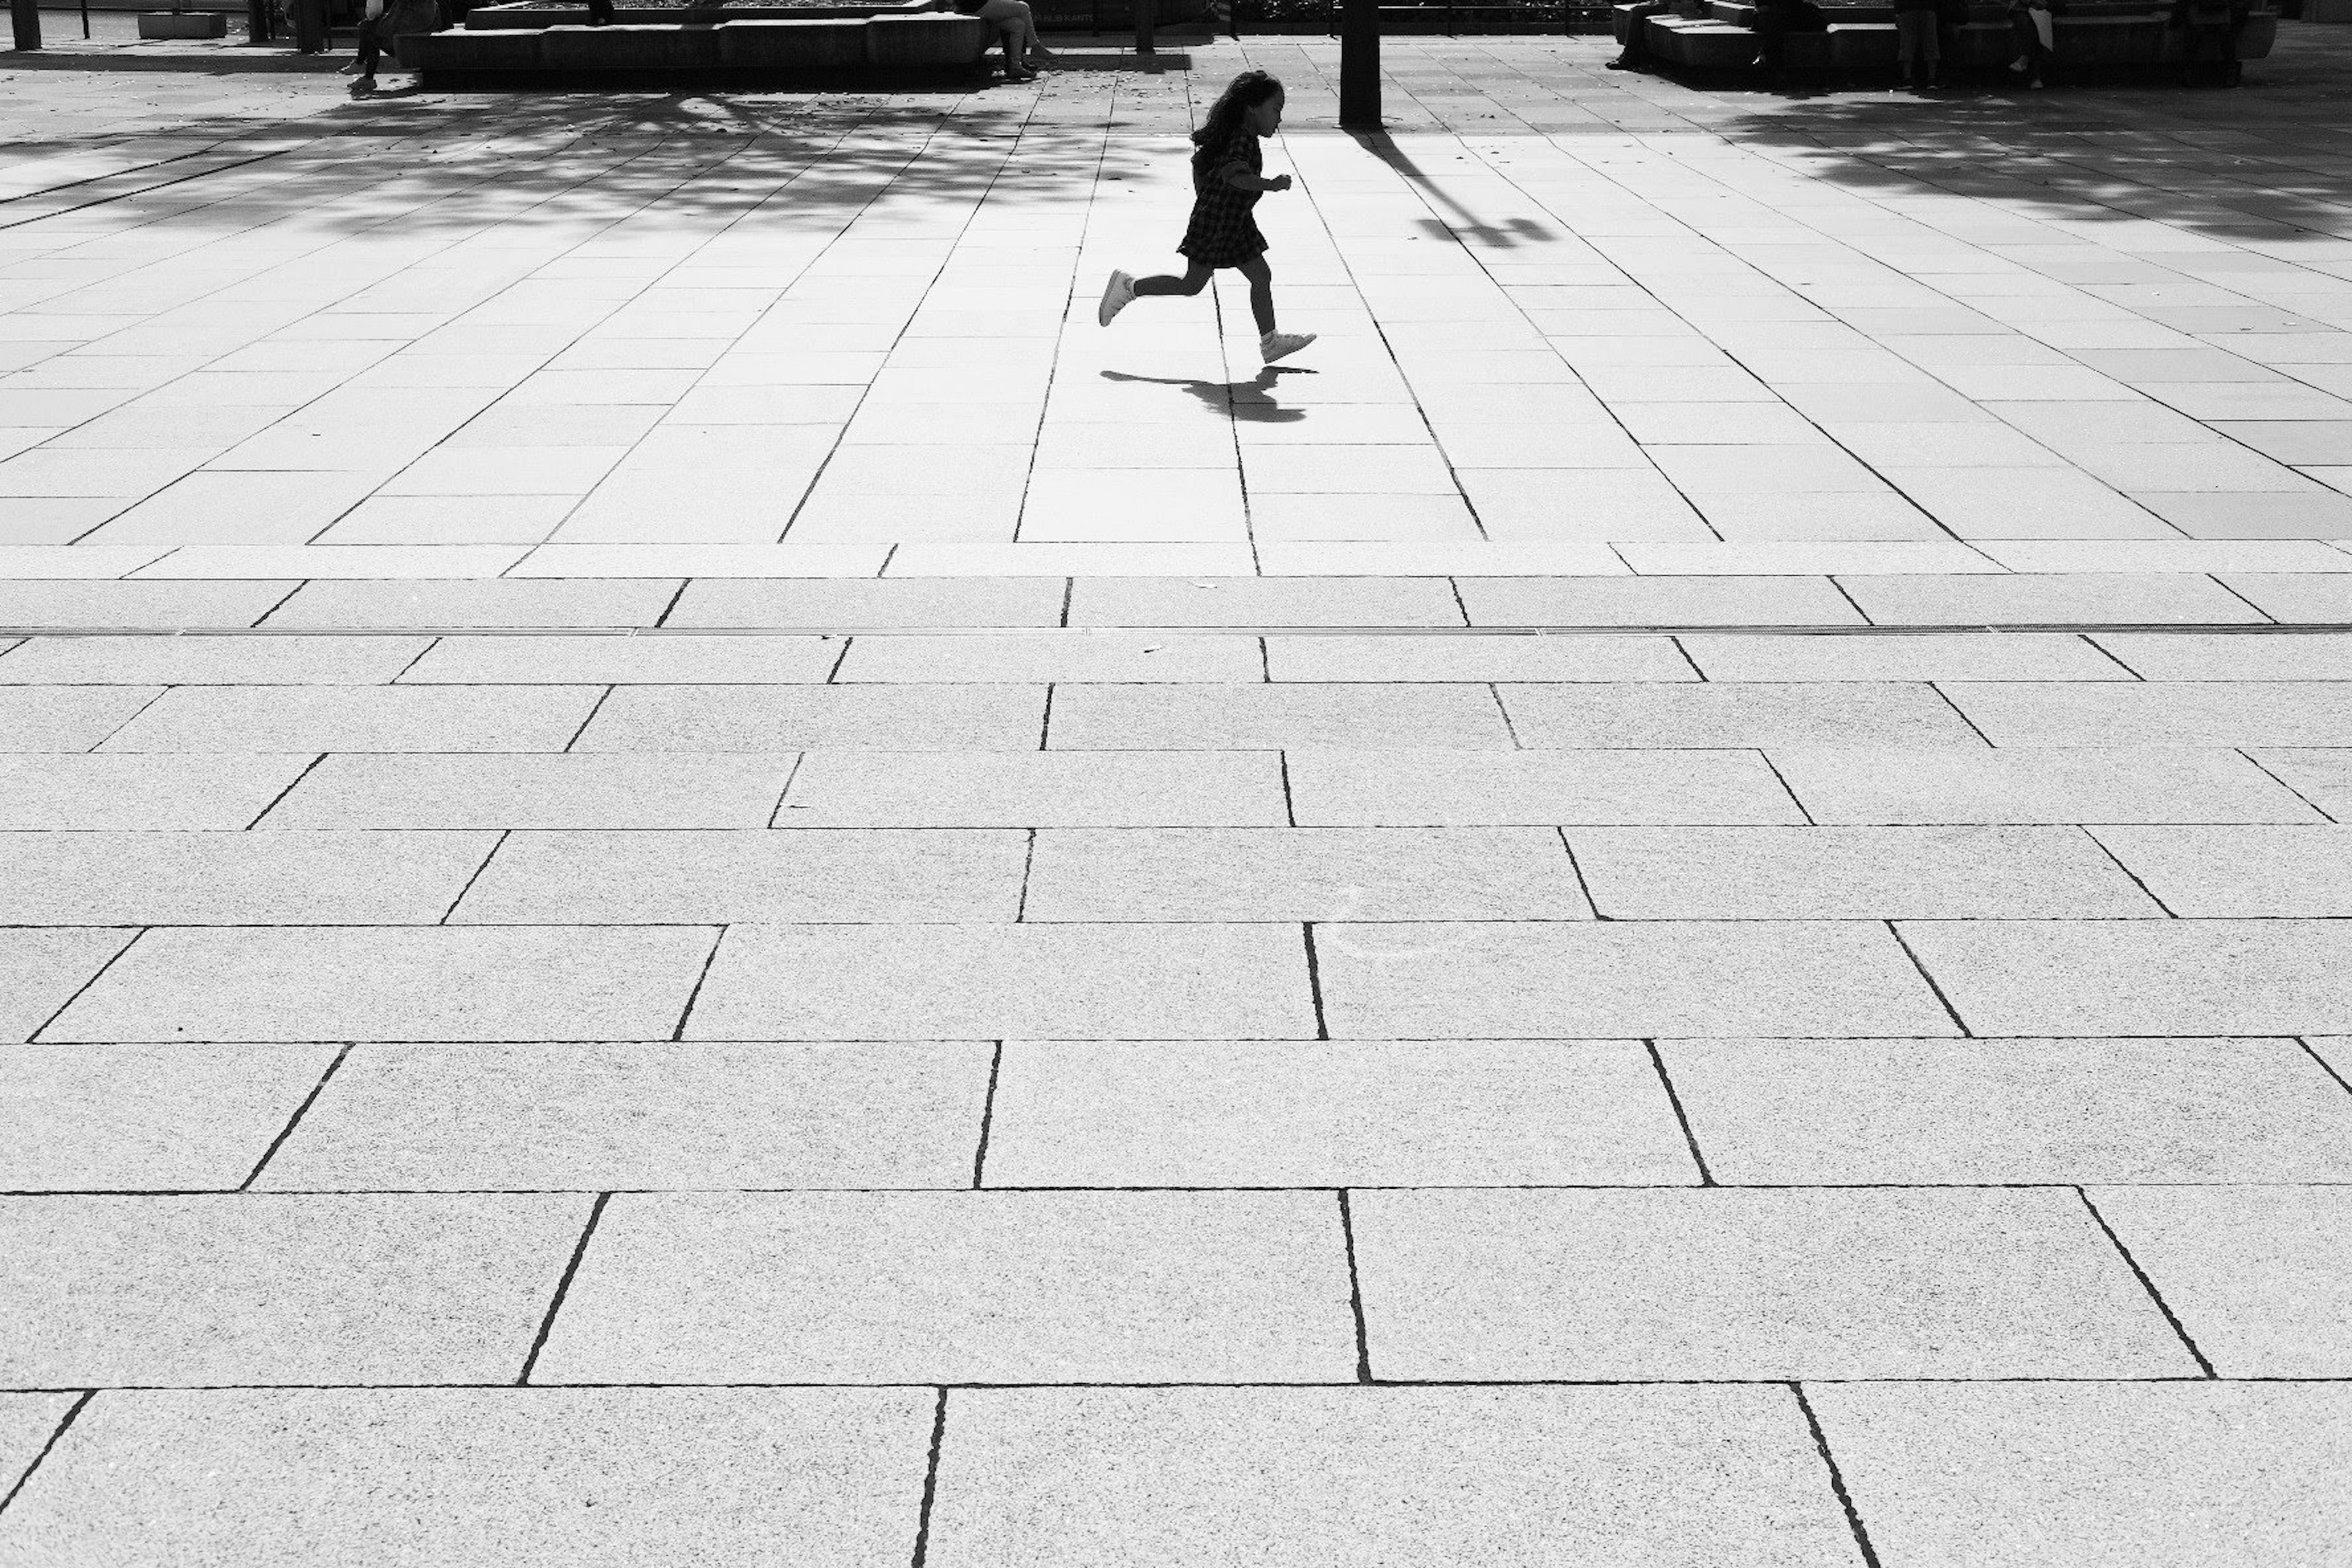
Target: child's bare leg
(1030,42)
(1012,66)
(1261,282)
(1195,279)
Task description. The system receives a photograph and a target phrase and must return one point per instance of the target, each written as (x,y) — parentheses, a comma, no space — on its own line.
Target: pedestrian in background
(1919,46)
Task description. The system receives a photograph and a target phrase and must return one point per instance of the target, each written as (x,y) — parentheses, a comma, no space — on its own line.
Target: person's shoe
(2036,82)
(1271,346)
(347,68)
(362,87)
(1619,64)
(1118,294)
(2018,66)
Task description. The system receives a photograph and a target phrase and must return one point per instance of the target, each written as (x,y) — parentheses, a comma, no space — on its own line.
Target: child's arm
(1238,175)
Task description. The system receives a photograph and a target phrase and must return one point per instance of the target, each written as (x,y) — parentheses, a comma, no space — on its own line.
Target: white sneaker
(1118,294)
(1273,346)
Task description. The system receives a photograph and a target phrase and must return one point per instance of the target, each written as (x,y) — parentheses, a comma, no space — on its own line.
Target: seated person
(1013,24)
(2211,27)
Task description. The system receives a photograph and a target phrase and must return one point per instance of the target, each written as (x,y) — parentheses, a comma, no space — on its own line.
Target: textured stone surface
(1302,874)
(660,1114)
(2113,1475)
(191,1292)
(1471,981)
(1917,1283)
(1462,1478)
(539,1477)
(979,982)
(959,1287)
(392,982)
(1865,1111)
(2260,1277)
(1331,1113)
(146,1118)
(41,971)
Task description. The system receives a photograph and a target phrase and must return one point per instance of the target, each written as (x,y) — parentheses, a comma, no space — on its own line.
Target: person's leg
(1195,279)
(1261,287)
(1031,47)
(1906,44)
(1931,47)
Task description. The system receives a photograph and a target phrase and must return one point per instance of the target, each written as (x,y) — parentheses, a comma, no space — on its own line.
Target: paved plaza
(688,877)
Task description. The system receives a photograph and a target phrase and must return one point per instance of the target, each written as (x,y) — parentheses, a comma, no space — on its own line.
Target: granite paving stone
(1654,602)
(959,1287)
(240,1288)
(146,1118)
(2103,1475)
(1455,788)
(2016,656)
(2258,1275)
(2135,977)
(596,1117)
(2159,713)
(574,1477)
(2201,872)
(1852,873)
(1040,656)
(129,793)
(1494,980)
(1451,1477)
(490,604)
(2294,596)
(27,1422)
(41,971)
(2049,599)
(1728,1284)
(542,790)
(715,877)
(1355,1113)
(236,878)
(1732,714)
(1241,718)
(1035,789)
(1302,874)
(392,982)
(1209,601)
(1436,657)
(850,604)
(2036,784)
(981,981)
(66,718)
(807,718)
(1860,1112)
(112,606)
(150,661)
(554,661)
(2225,656)
(359,718)
(2320,775)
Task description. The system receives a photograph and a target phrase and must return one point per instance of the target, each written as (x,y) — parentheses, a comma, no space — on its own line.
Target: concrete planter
(183,25)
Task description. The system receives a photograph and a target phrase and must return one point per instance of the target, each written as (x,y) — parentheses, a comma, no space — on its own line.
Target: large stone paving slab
(393,983)
(2170,1475)
(191,1292)
(575,1478)
(2258,1275)
(147,1117)
(648,1115)
(959,1287)
(1719,1284)
(1617,1478)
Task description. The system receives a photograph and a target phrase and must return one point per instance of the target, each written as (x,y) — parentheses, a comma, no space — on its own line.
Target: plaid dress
(1222,232)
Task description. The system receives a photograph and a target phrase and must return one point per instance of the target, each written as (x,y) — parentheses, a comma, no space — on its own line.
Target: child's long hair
(1242,94)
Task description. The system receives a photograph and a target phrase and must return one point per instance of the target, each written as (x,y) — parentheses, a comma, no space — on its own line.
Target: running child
(1226,185)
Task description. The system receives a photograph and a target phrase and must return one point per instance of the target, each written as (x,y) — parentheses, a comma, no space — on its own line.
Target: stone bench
(827,47)
(1720,36)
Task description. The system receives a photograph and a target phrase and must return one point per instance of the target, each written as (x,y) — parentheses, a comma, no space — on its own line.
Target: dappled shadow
(421,162)
(2265,162)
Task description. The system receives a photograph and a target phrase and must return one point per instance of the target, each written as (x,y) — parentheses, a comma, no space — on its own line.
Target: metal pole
(24,15)
(310,26)
(85,21)
(1147,26)
(1359,66)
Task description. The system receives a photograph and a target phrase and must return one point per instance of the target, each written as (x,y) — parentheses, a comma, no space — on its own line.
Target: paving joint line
(2147,1284)
(1837,1477)
(562,1289)
(56,1435)
(1519,629)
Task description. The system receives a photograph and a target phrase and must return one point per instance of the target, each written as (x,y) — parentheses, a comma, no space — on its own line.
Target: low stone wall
(1719,35)
(817,47)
